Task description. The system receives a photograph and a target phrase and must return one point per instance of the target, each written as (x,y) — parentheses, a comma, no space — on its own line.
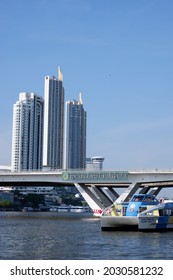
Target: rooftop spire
(80,98)
(60,75)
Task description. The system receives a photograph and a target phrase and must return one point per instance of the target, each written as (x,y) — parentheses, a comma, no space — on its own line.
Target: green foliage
(5,203)
(70,199)
(34,199)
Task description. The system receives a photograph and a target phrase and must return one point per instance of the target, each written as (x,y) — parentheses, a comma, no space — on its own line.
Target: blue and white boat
(123,216)
(157,218)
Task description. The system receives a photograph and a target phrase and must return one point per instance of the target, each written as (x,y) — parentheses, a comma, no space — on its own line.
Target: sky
(118,53)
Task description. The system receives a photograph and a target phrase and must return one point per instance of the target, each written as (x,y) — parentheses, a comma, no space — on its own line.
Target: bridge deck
(99,188)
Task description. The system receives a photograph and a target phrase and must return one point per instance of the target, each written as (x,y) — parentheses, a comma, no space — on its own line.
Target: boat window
(138,198)
(141,209)
(147,199)
(166,212)
(149,213)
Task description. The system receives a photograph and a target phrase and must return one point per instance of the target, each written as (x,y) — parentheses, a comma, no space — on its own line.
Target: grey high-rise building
(27,135)
(53,122)
(75,135)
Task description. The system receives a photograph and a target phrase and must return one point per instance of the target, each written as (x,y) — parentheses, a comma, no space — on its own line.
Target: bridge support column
(112,193)
(129,192)
(101,193)
(91,198)
(153,190)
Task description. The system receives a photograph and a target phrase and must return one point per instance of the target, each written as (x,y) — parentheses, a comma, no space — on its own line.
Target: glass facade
(75,135)
(53,122)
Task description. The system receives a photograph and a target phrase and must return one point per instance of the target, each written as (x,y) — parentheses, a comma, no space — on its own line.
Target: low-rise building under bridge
(99,188)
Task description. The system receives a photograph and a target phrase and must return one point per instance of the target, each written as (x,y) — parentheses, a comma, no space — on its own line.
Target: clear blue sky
(118,53)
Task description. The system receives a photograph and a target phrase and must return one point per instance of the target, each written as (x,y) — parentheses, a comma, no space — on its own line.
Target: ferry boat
(123,216)
(157,218)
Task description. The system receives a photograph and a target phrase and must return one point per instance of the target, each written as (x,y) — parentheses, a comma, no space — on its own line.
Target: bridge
(99,188)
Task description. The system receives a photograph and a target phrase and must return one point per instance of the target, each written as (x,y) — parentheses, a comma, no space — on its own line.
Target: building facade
(95,163)
(27,135)
(53,122)
(75,135)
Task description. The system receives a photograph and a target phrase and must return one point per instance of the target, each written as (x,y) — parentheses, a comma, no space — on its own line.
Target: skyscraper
(27,136)
(75,135)
(53,122)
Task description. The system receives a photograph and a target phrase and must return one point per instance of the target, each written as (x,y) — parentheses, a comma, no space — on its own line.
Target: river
(65,236)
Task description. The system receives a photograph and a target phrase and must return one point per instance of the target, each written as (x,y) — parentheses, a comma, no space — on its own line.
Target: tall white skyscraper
(53,122)
(75,135)
(27,135)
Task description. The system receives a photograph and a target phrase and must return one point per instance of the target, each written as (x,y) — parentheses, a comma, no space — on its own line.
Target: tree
(5,204)
(34,199)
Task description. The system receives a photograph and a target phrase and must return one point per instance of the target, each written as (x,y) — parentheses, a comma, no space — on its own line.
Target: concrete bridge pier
(97,197)
(129,192)
(101,193)
(91,198)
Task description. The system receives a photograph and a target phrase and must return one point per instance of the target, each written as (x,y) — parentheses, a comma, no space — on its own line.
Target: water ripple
(52,236)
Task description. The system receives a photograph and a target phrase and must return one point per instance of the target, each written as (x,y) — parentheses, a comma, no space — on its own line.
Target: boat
(27,209)
(70,209)
(123,216)
(157,218)
(80,209)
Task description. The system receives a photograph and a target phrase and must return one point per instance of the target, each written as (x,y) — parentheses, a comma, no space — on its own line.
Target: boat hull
(119,223)
(155,223)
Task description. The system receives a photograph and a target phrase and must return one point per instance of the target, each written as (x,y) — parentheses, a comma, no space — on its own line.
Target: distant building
(94,163)
(6,196)
(27,135)
(75,135)
(29,189)
(53,122)
(5,168)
